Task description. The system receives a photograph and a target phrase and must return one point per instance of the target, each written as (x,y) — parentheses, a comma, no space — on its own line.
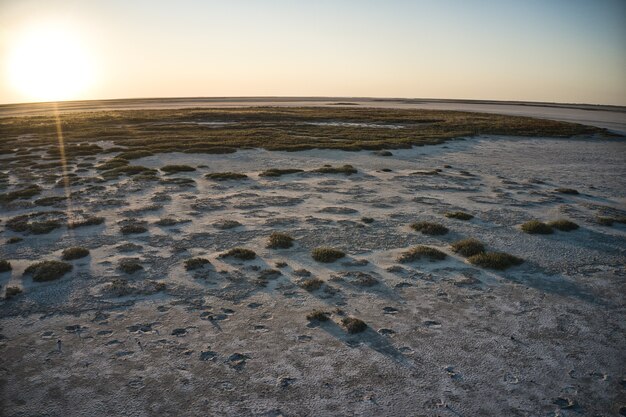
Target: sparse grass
(353,325)
(129,265)
(279,240)
(468,247)
(326,254)
(196,263)
(346,170)
(495,260)
(429,228)
(5,265)
(173,169)
(276,172)
(76,252)
(48,270)
(312,284)
(11,292)
(88,221)
(567,191)
(318,316)
(418,252)
(459,215)
(535,227)
(563,225)
(239,253)
(226,176)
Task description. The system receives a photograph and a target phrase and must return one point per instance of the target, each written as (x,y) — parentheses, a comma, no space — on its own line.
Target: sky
(567,51)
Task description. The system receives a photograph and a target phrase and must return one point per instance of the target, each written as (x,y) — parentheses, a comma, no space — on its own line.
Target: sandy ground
(445,338)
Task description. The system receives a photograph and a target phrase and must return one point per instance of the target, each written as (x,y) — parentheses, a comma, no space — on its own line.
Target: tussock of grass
(318,315)
(22,194)
(129,265)
(419,252)
(239,253)
(5,265)
(459,215)
(130,229)
(226,224)
(429,228)
(567,191)
(11,292)
(276,172)
(89,221)
(27,223)
(605,221)
(48,270)
(172,169)
(169,221)
(279,240)
(326,254)
(196,263)
(495,260)
(468,247)
(367,220)
(535,227)
(312,284)
(112,164)
(49,201)
(130,170)
(346,170)
(76,252)
(130,155)
(226,176)
(354,325)
(563,225)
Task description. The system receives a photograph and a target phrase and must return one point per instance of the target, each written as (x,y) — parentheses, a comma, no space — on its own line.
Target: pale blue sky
(559,50)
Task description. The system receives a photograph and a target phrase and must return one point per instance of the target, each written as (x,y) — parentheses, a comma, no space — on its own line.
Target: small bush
(419,252)
(354,325)
(535,227)
(275,172)
(563,225)
(459,215)
(311,284)
(495,260)
(225,176)
(567,191)
(11,292)
(129,229)
(196,263)
(48,270)
(129,265)
(74,253)
(239,253)
(5,265)
(428,228)
(367,220)
(278,240)
(318,315)
(346,170)
(468,247)
(173,169)
(326,254)
(89,221)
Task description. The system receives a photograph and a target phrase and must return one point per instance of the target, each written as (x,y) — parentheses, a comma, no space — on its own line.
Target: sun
(49,63)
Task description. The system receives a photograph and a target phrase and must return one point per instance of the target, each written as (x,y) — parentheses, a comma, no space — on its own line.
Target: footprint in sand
(304,338)
(254,305)
(237,361)
(208,355)
(390,310)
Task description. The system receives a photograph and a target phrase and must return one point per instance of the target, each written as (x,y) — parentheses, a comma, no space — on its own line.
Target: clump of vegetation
(133,228)
(605,221)
(36,223)
(367,220)
(311,284)
(130,155)
(129,170)
(353,325)
(49,201)
(5,265)
(196,263)
(129,265)
(48,270)
(88,221)
(495,260)
(76,252)
(459,215)
(279,240)
(276,172)
(280,264)
(11,292)
(120,287)
(326,254)
(225,176)
(318,315)
(535,227)
(169,221)
(429,228)
(567,191)
(173,169)
(22,194)
(468,247)
(346,170)
(419,252)
(112,164)
(14,239)
(226,224)
(239,253)
(563,225)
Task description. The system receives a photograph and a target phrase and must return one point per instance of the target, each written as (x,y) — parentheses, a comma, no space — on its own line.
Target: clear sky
(535,50)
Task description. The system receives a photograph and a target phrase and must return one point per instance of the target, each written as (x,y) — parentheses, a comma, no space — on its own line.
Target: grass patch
(38,223)
(173,169)
(563,225)
(48,270)
(130,155)
(239,253)
(535,227)
(11,292)
(318,315)
(367,220)
(226,176)
(326,254)
(130,170)
(459,215)
(353,325)
(419,252)
(5,265)
(23,194)
(130,229)
(276,172)
(468,247)
(312,284)
(129,265)
(279,240)
(49,201)
(495,260)
(226,224)
(429,228)
(169,221)
(570,191)
(345,169)
(196,263)
(88,221)
(76,252)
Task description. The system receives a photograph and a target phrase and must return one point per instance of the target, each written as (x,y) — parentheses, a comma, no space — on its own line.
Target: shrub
(318,315)
(48,270)
(311,284)
(24,193)
(429,228)
(5,265)
(563,225)
(567,191)
(134,154)
(74,253)
(326,254)
(468,247)
(346,170)
(495,260)
(459,215)
(275,172)
(419,252)
(535,227)
(173,169)
(278,240)
(11,292)
(89,221)
(129,229)
(196,263)
(129,170)
(354,325)
(225,176)
(239,253)
(129,265)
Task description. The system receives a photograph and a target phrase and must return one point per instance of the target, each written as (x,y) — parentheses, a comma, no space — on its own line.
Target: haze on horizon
(568,51)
